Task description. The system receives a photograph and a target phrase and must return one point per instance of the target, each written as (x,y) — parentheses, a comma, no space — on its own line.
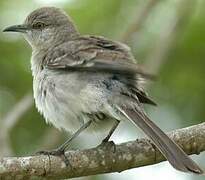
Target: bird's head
(45,27)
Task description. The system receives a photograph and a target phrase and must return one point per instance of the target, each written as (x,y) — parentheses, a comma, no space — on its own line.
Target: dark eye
(38,25)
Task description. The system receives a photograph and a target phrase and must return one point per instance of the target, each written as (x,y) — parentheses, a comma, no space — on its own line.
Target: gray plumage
(77,79)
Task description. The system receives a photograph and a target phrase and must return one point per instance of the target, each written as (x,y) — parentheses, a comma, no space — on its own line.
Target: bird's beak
(17,28)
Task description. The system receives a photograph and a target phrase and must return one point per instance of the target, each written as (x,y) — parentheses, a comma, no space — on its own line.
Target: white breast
(62,98)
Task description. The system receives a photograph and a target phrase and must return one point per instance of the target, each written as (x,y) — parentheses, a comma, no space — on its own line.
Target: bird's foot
(108,144)
(56,152)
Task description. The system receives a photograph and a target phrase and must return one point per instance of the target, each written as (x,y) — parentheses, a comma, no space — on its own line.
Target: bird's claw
(109,144)
(56,152)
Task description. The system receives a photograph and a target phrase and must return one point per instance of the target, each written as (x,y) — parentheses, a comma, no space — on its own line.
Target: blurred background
(167,37)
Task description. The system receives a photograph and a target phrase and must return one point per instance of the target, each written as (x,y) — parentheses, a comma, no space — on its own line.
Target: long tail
(173,153)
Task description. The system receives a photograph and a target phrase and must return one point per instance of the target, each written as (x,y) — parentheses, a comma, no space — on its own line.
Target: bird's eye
(38,25)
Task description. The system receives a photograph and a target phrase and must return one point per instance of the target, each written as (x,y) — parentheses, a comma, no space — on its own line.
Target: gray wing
(97,54)
(91,53)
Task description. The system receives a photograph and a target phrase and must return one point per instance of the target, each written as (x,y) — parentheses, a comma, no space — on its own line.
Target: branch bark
(102,159)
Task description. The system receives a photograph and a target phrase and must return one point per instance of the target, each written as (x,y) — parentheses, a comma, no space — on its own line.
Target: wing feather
(95,54)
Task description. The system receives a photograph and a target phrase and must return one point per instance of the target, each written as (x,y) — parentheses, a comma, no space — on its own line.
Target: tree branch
(173,30)
(139,20)
(102,159)
(10,120)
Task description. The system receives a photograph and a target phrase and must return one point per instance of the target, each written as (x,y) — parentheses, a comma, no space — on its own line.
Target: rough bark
(102,159)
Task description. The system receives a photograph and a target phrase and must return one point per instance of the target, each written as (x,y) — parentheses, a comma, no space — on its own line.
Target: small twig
(139,20)
(17,111)
(157,57)
(9,121)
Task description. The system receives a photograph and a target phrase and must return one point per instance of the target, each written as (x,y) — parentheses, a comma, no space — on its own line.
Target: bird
(89,82)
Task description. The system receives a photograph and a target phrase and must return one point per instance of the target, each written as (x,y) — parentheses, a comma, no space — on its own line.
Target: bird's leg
(64,146)
(106,139)
(60,151)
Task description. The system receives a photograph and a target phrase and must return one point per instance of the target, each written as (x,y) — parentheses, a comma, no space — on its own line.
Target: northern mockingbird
(89,82)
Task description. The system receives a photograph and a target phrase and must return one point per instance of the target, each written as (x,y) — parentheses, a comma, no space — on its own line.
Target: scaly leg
(60,151)
(106,139)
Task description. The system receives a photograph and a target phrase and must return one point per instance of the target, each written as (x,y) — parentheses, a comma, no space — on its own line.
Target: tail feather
(173,153)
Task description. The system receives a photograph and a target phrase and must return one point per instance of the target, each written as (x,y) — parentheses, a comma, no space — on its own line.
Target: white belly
(63,98)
